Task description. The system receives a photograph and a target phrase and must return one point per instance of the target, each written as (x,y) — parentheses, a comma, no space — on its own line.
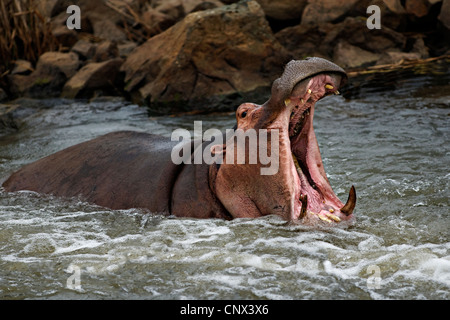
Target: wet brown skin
(122,170)
(134,170)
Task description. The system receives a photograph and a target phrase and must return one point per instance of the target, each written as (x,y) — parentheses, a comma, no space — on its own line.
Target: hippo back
(119,170)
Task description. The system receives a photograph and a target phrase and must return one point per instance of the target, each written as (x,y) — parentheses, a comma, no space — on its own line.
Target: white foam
(439,268)
(308,266)
(254,257)
(343,273)
(371,243)
(77,245)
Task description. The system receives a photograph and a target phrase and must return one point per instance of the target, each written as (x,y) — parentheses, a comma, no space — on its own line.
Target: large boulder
(204,58)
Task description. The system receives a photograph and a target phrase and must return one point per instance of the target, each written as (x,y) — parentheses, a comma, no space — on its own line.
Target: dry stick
(24,19)
(403,64)
(21,26)
(45,43)
(4,25)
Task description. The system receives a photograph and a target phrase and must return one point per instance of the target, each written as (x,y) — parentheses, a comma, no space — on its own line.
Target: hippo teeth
(304,201)
(348,208)
(299,125)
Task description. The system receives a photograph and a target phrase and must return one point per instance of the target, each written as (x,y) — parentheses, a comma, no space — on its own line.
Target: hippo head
(298,190)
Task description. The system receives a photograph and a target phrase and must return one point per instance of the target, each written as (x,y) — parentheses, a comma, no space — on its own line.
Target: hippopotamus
(127,169)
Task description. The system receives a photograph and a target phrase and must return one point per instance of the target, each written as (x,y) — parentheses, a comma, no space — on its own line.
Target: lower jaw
(320,204)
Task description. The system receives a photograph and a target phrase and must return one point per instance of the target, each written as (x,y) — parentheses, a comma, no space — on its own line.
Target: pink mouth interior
(312,180)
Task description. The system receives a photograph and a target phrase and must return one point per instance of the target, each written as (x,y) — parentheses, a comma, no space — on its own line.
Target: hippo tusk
(304,201)
(348,208)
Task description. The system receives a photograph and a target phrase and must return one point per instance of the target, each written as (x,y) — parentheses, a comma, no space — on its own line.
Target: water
(392,145)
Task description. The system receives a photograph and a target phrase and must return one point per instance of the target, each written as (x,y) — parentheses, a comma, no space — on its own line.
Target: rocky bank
(193,55)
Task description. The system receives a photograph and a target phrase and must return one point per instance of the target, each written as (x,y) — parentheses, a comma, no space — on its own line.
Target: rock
(106,50)
(7,122)
(326,10)
(395,6)
(22,67)
(204,5)
(283,9)
(37,84)
(96,17)
(65,36)
(108,30)
(126,48)
(394,57)
(59,21)
(52,71)
(205,57)
(67,63)
(444,15)
(420,48)
(307,40)
(178,9)
(173,9)
(162,14)
(419,8)
(156,21)
(50,8)
(97,76)
(3,95)
(322,39)
(349,56)
(355,32)
(85,49)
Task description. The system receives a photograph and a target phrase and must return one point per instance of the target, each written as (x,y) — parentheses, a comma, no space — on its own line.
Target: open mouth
(315,198)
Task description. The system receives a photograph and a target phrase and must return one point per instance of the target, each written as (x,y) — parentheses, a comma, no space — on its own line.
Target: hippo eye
(243,114)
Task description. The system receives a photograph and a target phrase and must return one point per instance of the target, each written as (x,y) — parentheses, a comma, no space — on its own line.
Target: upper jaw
(303,98)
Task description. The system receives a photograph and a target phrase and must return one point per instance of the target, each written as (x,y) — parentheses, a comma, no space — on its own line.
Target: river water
(392,145)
